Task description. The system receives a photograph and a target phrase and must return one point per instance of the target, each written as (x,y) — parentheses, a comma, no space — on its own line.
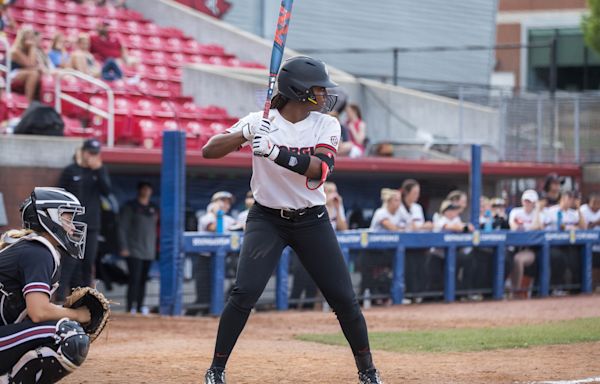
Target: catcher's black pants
(313,239)
(17,339)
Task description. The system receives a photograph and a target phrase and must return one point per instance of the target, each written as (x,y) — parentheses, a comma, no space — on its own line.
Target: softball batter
(294,152)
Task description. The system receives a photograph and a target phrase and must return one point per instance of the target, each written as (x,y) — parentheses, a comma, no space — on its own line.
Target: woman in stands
(57,54)
(82,59)
(357,130)
(525,218)
(40,342)
(386,218)
(25,68)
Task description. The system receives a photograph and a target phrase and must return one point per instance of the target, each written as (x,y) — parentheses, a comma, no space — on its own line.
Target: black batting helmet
(44,211)
(299,74)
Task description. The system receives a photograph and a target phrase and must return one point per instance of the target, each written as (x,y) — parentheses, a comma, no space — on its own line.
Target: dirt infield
(167,350)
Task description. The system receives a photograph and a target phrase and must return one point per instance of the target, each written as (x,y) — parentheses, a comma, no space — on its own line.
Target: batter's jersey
(275,186)
(29,265)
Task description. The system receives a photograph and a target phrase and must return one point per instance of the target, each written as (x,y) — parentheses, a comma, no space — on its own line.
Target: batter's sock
(233,320)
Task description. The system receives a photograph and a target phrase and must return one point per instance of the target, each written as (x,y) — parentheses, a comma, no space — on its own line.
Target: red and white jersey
(275,186)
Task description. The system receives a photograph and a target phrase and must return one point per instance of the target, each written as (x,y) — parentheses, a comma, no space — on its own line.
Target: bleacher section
(143,109)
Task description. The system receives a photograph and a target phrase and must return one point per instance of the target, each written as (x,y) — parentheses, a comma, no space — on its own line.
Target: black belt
(291,214)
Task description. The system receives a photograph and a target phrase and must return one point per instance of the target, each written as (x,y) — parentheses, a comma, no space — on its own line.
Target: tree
(590,25)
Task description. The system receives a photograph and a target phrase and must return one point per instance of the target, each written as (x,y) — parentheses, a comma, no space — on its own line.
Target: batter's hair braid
(279,101)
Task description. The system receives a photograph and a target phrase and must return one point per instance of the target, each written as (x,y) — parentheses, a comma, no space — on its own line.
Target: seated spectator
(412,219)
(42,58)
(335,207)
(220,201)
(500,221)
(25,68)
(385,218)
(591,217)
(457,198)
(551,191)
(6,21)
(449,219)
(109,50)
(562,217)
(81,58)
(591,211)
(243,216)
(411,213)
(58,55)
(524,218)
(357,130)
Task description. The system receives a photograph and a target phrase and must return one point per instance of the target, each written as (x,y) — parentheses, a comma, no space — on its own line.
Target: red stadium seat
(174,44)
(148,133)
(70,20)
(69,7)
(176,59)
(154,43)
(156,58)
(123,121)
(13,105)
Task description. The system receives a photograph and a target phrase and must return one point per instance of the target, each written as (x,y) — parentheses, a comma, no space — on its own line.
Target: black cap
(92,146)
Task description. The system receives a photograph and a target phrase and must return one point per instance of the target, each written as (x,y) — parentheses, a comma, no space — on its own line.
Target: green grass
(478,339)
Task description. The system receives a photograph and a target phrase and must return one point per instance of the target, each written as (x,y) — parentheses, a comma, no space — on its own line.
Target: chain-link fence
(539,127)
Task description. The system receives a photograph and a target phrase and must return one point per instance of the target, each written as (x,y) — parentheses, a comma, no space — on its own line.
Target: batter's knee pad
(49,364)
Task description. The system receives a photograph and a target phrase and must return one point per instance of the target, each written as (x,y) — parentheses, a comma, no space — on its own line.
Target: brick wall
(16,183)
(540,5)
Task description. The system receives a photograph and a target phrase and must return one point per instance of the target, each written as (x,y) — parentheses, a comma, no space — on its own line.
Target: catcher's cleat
(369,376)
(214,375)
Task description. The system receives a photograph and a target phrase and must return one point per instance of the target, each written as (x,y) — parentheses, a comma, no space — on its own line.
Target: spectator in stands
(220,204)
(386,218)
(345,144)
(25,68)
(500,220)
(58,55)
(243,216)
(138,221)
(524,218)
(42,57)
(108,50)
(485,210)
(449,220)
(551,191)
(591,211)
(82,59)
(412,219)
(562,217)
(357,130)
(458,198)
(335,207)
(591,216)
(87,179)
(6,21)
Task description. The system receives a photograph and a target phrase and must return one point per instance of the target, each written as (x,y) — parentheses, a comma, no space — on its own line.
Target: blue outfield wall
(219,245)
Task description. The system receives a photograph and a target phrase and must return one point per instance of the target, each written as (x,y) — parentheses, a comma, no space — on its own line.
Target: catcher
(41,342)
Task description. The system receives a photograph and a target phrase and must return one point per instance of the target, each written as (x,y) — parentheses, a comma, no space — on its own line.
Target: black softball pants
(136,288)
(314,241)
(17,339)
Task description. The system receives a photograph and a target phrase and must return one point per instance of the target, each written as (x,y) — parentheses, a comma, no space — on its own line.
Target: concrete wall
(391,113)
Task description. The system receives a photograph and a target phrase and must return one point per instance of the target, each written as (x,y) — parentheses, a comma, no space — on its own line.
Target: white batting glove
(248,130)
(262,146)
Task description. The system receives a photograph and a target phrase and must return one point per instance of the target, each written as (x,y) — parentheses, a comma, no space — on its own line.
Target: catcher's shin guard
(49,364)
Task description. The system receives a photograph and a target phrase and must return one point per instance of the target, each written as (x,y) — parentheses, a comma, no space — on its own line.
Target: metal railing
(6,68)
(108,115)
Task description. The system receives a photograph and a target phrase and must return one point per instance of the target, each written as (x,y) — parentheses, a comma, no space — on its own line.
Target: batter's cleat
(214,375)
(369,376)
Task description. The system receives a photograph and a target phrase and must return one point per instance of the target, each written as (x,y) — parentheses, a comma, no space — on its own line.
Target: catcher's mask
(53,210)
(298,76)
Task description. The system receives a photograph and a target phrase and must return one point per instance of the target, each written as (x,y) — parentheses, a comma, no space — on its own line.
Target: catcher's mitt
(98,306)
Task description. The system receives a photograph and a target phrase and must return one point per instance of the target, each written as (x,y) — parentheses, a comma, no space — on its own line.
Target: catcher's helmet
(299,74)
(44,211)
